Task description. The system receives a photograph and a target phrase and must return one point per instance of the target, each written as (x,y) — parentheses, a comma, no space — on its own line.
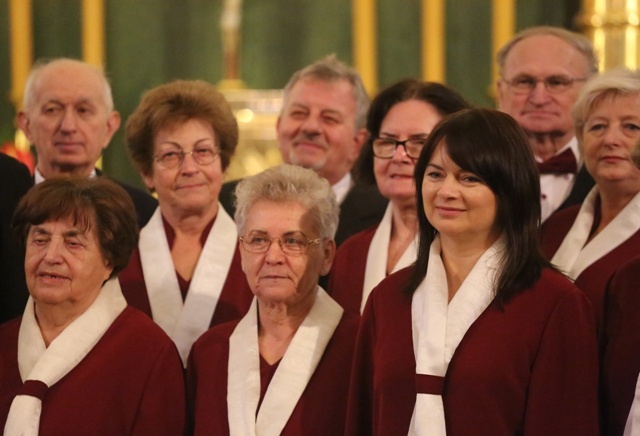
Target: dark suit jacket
(144,203)
(362,208)
(581,187)
(15,181)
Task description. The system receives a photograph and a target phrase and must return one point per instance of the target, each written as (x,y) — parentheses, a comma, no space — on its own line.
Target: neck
(459,258)
(53,319)
(545,145)
(49,171)
(613,199)
(332,176)
(189,222)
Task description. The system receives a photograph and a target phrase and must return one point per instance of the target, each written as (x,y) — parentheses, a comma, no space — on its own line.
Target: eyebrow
(180,146)
(69,233)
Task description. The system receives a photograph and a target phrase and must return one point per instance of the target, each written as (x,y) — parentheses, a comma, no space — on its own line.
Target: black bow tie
(563,163)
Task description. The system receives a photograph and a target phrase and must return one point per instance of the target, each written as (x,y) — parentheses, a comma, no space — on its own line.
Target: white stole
(439,326)
(632,427)
(290,379)
(573,256)
(378,254)
(66,351)
(185,322)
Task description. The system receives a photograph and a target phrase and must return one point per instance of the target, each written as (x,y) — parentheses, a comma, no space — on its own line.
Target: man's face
(316,128)
(540,111)
(68,120)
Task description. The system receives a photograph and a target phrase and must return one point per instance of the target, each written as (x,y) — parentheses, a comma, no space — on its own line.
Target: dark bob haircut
(491,145)
(444,100)
(98,204)
(172,104)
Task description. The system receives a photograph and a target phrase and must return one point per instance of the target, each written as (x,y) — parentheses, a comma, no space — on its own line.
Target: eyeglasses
(174,158)
(293,245)
(553,84)
(384,148)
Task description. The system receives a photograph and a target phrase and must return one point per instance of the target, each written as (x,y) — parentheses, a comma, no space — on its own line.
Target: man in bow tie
(542,70)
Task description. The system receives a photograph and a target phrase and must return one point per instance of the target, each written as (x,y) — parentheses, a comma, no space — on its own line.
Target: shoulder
(357,240)
(391,290)
(216,337)
(137,329)
(369,193)
(553,289)
(227,196)
(561,218)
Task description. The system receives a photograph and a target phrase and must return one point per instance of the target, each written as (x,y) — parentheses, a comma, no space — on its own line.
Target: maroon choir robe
(527,368)
(131,382)
(594,279)
(321,409)
(347,271)
(234,301)
(621,355)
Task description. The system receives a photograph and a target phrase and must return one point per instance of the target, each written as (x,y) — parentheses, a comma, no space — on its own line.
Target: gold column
(612,25)
(21,47)
(365,44)
(93,32)
(502,30)
(433,40)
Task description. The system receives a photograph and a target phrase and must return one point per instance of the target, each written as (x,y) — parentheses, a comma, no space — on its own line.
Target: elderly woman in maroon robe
(481,335)
(399,121)
(80,361)
(590,242)
(284,367)
(186,271)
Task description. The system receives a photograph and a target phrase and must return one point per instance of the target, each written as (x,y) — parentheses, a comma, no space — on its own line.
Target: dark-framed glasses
(553,84)
(294,244)
(384,148)
(172,158)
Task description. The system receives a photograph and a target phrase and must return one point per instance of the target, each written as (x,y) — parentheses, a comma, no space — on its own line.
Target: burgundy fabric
(34,388)
(321,409)
(527,368)
(563,163)
(594,279)
(266,374)
(131,382)
(346,280)
(429,384)
(621,349)
(234,301)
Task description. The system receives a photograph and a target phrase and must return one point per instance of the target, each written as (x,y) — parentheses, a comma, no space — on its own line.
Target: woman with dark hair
(80,361)
(399,121)
(481,334)
(186,272)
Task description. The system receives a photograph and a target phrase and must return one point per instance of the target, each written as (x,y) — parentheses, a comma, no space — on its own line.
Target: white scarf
(378,255)
(290,379)
(439,326)
(573,256)
(49,364)
(632,428)
(185,322)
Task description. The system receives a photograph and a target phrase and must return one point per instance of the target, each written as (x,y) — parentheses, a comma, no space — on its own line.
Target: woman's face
(276,277)
(64,266)
(187,187)
(610,132)
(412,119)
(457,202)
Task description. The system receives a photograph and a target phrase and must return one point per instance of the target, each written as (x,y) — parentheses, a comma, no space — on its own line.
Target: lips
(51,276)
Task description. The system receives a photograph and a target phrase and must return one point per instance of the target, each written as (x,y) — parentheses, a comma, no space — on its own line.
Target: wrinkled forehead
(543,56)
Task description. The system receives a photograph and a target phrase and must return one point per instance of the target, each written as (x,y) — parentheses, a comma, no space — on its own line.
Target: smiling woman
(77,336)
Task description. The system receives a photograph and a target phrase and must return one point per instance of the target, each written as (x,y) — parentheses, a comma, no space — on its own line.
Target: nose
(189,164)
(400,155)
(448,188)
(539,93)
(612,136)
(310,125)
(53,253)
(274,253)
(68,122)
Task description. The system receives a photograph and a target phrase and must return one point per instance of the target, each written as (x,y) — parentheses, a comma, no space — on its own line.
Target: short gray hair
(579,42)
(330,69)
(41,64)
(616,82)
(285,183)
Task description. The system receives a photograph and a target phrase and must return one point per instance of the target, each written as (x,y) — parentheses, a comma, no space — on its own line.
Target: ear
(148,181)
(358,141)
(24,123)
(500,91)
(113,124)
(329,253)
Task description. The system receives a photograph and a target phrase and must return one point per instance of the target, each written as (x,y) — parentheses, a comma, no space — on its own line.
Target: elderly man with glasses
(542,70)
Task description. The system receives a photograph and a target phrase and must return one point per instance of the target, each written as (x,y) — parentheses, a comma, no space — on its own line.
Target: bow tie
(563,163)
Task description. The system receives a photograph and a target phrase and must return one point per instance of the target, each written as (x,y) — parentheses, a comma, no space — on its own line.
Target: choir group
(416,265)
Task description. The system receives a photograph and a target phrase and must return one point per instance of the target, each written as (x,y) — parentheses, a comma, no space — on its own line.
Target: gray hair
(285,183)
(617,82)
(40,65)
(330,69)
(576,40)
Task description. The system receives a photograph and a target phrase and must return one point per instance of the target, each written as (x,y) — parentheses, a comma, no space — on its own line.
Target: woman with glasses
(284,367)
(186,272)
(480,335)
(399,121)
(590,242)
